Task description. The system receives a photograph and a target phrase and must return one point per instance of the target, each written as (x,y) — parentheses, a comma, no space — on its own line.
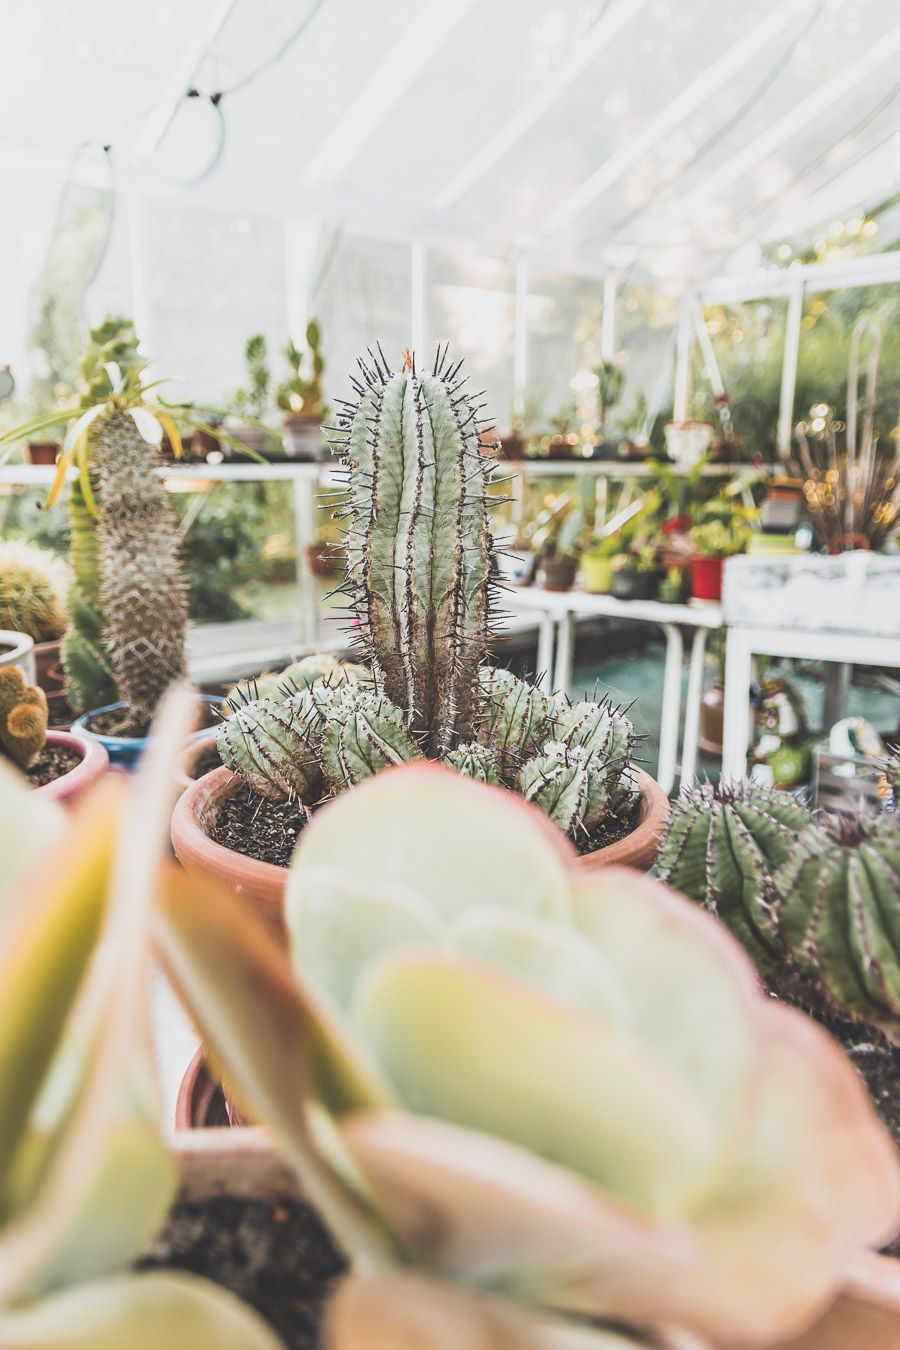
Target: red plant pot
(94,764)
(706,578)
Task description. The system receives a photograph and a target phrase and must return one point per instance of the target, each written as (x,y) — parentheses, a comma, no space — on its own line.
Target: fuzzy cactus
(143,593)
(32,591)
(419,581)
(836,901)
(722,845)
(23,717)
(419,542)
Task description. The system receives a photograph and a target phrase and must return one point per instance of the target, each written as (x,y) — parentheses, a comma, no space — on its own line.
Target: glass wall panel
(471,301)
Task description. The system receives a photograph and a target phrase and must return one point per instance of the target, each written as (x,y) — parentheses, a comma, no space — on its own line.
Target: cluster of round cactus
(23,717)
(814,894)
(325,725)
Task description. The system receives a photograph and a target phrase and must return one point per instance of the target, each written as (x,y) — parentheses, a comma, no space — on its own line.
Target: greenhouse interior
(450,675)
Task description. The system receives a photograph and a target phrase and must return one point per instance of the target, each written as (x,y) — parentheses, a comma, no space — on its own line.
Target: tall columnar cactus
(23,717)
(143,593)
(419,578)
(836,900)
(722,845)
(419,542)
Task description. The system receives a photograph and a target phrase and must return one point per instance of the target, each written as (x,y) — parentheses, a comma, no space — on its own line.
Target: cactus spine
(143,594)
(419,543)
(23,717)
(419,574)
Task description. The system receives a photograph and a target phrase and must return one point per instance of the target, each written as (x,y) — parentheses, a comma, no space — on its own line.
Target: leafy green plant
(23,717)
(419,553)
(532,1101)
(719,539)
(300,393)
(610,383)
(253,400)
(32,591)
(86,1175)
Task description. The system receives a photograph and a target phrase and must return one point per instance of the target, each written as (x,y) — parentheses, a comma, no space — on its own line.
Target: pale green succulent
(86,1176)
(549,1094)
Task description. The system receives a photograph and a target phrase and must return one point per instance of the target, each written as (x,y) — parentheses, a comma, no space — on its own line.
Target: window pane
(471,301)
(564,318)
(748,345)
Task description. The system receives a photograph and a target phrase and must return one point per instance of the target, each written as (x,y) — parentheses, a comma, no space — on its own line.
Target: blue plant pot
(125,751)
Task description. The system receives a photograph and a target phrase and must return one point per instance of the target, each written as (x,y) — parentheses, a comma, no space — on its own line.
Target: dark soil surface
(52,763)
(120,722)
(260,829)
(117,722)
(273,1253)
(61,715)
(610,832)
(206,762)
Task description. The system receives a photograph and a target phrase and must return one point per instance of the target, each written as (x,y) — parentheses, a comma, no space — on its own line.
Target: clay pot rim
(196,849)
(189,753)
(94,763)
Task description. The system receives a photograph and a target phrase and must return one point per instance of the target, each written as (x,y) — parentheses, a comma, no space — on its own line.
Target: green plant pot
(597,573)
(671,592)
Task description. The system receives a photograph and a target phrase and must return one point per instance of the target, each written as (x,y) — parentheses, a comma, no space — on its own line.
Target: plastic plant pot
(706,579)
(17,649)
(597,573)
(125,751)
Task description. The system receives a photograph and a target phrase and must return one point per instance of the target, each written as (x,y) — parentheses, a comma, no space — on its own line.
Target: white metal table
(745,641)
(558,612)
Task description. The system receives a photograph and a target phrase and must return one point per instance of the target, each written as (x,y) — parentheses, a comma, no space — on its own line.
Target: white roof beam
(819,102)
(700,89)
(615,18)
(422,37)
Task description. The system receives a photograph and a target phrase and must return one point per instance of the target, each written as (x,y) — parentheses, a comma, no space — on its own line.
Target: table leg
(671,707)
(738,677)
(546,634)
(837,686)
(565,647)
(305,533)
(692,709)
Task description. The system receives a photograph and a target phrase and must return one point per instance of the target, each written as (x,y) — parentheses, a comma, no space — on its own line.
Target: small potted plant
(516,558)
(562,549)
(249,404)
(635,444)
(563,439)
(597,563)
(713,541)
(60,764)
(32,600)
(302,400)
(636,574)
(610,382)
(671,588)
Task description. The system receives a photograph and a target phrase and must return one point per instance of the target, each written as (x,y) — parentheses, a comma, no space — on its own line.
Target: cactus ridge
(474,760)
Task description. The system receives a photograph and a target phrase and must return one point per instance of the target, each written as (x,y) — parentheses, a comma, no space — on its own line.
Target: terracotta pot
(49,671)
(43,452)
(260,884)
(712,721)
(324,561)
(638,849)
(513,446)
(184,764)
(559,573)
(706,578)
(94,764)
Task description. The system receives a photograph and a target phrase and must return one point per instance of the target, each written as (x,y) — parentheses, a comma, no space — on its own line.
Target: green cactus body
(721,846)
(474,761)
(23,717)
(837,902)
(598,727)
(419,545)
(274,747)
(557,781)
(363,734)
(90,682)
(514,714)
(31,588)
(143,595)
